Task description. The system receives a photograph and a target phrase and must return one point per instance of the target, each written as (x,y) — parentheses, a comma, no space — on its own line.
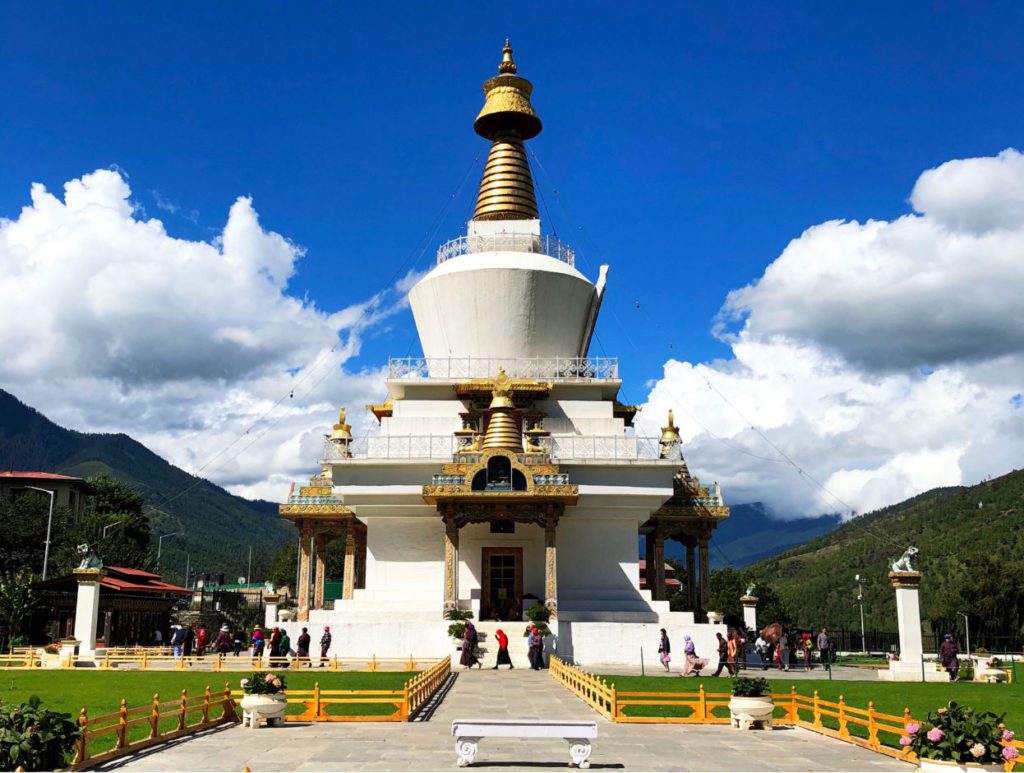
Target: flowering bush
(263,683)
(960,734)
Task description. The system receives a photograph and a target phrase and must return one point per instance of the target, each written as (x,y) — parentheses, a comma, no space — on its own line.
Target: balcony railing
(443,448)
(538,244)
(555,368)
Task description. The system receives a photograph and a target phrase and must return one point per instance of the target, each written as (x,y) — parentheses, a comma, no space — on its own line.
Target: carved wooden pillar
(349,583)
(451,564)
(659,564)
(304,567)
(551,565)
(320,545)
(705,577)
(691,575)
(649,561)
(361,562)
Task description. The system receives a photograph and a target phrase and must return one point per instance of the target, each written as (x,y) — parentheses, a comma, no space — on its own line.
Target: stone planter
(286,615)
(715,617)
(948,766)
(746,712)
(266,707)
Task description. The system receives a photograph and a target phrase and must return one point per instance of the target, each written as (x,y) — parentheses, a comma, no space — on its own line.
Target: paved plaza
(427,744)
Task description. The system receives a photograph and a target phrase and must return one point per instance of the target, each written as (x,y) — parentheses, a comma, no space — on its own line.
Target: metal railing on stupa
(543,244)
(444,447)
(557,368)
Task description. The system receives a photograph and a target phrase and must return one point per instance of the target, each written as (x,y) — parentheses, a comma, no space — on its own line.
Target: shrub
(263,683)
(34,738)
(457,630)
(744,687)
(542,629)
(538,613)
(960,734)
(459,614)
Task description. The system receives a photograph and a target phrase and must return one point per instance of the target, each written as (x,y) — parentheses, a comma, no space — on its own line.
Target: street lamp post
(113,525)
(860,603)
(160,547)
(49,527)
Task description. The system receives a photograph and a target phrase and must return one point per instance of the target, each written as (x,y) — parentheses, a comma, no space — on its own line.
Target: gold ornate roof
(507,119)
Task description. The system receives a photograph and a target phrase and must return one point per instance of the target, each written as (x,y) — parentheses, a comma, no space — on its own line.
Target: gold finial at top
(341,430)
(670,434)
(507,65)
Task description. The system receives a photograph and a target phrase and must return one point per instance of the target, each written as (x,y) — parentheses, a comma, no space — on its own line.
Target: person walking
(783,648)
(723,656)
(222,644)
(238,641)
(731,650)
(302,648)
(284,649)
(824,648)
(665,650)
(201,640)
(948,655)
(275,645)
(190,640)
(325,644)
(503,656)
(763,653)
(741,649)
(692,664)
(469,642)
(808,649)
(178,641)
(258,641)
(535,643)
(158,638)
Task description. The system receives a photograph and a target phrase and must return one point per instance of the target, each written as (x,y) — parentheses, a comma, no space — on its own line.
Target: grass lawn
(889,697)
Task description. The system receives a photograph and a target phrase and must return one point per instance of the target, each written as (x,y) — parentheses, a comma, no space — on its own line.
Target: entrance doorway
(501,597)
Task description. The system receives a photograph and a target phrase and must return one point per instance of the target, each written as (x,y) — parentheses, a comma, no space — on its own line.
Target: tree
(678,597)
(728,585)
(17,600)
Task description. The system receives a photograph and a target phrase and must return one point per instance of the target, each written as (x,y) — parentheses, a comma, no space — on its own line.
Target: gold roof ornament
(503,430)
(507,119)
(341,430)
(669,435)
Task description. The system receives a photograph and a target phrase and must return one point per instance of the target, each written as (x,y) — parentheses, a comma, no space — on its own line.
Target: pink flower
(942,710)
(913,727)
(905,740)
(270,678)
(1010,753)
(978,751)
(1008,735)
(935,735)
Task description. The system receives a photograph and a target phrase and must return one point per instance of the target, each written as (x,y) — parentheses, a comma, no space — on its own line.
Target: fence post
(702,703)
(83,738)
(843,731)
(872,725)
(817,710)
(182,712)
(411,663)
(794,710)
(373,662)
(122,725)
(206,705)
(615,704)
(229,704)
(316,700)
(154,717)
(145,660)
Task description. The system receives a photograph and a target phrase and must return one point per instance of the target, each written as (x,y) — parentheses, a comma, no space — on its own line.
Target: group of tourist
(280,650)
(732,652)
(189,640)
(471,643)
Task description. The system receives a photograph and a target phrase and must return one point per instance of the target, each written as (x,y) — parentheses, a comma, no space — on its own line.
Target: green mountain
(217,527)
(971,556)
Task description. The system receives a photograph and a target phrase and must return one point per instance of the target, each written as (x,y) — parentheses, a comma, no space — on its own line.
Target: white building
(505,473)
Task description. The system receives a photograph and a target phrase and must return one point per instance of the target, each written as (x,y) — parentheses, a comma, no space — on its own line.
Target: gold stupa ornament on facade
(669,436)
(503,430)
(507,119)
(341,430)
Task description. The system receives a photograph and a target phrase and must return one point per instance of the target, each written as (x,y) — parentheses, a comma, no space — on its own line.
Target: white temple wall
(423,417)
(597,562)
(405,559)
(602,644)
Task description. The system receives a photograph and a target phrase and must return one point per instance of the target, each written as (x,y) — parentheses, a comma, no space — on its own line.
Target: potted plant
(751,703)
(957,738)
(264,698)
(457,629)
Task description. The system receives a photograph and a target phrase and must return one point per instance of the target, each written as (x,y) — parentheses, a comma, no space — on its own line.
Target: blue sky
(684,145)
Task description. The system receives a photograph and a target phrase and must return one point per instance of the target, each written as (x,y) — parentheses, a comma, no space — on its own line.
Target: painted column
(649,561)
(349,584)
(550,567)
(908,614)
(320,546)
(691,576)
(659,564)
(87,609)
(305,559)
(451,564)
(749,612)
(705,575)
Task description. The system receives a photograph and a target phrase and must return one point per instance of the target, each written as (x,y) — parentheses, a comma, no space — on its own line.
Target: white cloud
(883,357)
(111,324)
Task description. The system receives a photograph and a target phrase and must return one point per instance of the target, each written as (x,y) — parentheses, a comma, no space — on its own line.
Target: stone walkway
(428,745)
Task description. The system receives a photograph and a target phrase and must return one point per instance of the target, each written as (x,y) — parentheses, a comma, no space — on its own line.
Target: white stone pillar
(749,612)
(908,619)
(270,613)
(87,609)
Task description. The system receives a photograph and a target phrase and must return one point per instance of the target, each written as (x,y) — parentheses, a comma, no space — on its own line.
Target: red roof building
(671,581)
(68,491)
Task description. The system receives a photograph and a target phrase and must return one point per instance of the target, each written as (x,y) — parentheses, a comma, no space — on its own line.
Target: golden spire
(341,430)
(507,119)
(670,434)
(503,430)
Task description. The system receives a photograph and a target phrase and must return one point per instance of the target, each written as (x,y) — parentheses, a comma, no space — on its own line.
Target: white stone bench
(468,733)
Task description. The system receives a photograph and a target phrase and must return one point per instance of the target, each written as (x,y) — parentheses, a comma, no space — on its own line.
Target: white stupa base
(911,671)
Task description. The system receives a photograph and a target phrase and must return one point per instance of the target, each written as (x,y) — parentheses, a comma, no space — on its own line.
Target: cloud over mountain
(885,357)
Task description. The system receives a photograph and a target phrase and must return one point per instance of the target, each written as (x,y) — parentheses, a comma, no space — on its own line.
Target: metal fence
(554,368)
(538,244)
(443,447)
(850,640)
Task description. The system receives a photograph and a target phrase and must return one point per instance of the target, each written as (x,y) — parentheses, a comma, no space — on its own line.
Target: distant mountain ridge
(218,527)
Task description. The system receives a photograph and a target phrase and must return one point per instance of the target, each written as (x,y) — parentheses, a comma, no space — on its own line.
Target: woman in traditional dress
(948,654)
(665,650)
(503,656)
(691,663)
(469,642)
